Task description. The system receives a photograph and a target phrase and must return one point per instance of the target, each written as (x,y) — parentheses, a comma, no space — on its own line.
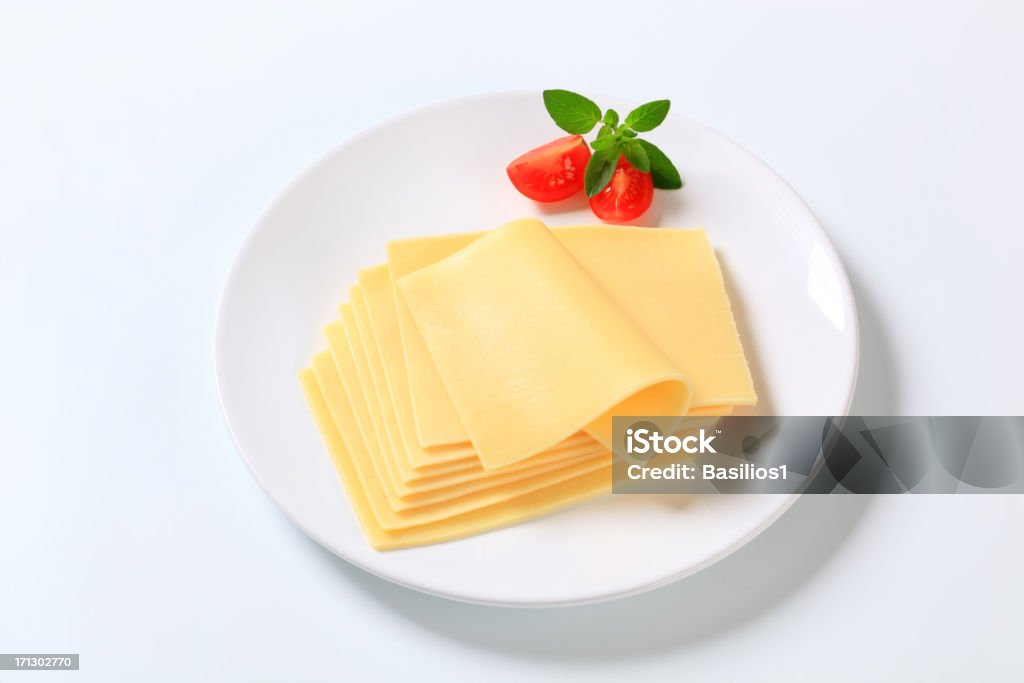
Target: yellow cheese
(719,411)
(437,423)
(537,503)
(378,398)
(669,283)
(338,375)
(333,383)
(530,478)
(379,428)
(531,349)
(520,343)
(377,319)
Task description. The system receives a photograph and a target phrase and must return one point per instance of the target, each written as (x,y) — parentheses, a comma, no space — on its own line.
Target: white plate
(442,169)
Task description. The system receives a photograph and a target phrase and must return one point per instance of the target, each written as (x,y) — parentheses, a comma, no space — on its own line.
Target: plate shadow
(730,593)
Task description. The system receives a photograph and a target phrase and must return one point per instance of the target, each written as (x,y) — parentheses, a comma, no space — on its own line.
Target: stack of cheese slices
(470,381)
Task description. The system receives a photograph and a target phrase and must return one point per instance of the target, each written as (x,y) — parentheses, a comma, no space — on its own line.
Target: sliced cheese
(437,423)
(333,385)
(667,280)
(670,283)
(514,511)
(719,411)
(346,396)
(382,431)
(471,382)
(380,404)
(377,319)
(531,349)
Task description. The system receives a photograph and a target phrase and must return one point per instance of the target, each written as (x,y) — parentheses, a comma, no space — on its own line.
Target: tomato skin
(551,172)
(626,197)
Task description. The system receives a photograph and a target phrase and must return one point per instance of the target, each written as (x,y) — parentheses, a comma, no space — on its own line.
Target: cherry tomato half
(626,197)
(551,172)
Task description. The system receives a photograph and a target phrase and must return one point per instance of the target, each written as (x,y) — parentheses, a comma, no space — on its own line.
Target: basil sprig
(578,115)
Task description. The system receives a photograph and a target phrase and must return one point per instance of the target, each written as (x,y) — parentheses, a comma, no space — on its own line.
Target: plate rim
(312,168)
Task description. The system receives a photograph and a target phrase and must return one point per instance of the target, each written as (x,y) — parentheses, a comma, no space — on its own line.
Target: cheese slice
(720,411)
(437,423)
(667,280)
(345,334)
(342,411)
(531,349)
(671,285)
(377,319)
(379,429)
(352,412)
(514,511)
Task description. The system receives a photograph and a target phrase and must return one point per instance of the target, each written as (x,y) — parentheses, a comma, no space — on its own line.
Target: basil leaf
(572,113)
(600,170)
(648,116)
(605,130)
(629,132)
(663,172)
(603,142)
(636,155)
(611,118)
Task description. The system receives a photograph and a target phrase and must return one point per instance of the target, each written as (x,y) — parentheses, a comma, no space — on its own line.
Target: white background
(139,143)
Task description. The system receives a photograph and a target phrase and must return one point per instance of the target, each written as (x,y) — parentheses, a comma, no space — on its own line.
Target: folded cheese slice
(670,283)
(531,349)
(667,280)
(377,319)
